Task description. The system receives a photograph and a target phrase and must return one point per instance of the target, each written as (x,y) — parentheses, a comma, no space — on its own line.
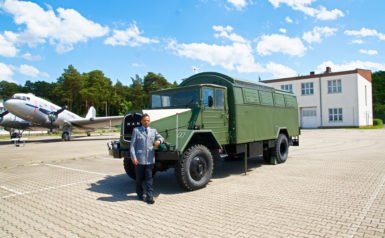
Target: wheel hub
(198,168)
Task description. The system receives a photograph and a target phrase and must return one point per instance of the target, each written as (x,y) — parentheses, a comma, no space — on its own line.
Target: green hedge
(378,122)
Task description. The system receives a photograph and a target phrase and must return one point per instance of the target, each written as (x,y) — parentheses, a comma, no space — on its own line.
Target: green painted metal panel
(266,98)
(291,101)
(279,100)
(251,95)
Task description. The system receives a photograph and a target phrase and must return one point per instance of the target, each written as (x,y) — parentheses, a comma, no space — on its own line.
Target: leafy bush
(378,122)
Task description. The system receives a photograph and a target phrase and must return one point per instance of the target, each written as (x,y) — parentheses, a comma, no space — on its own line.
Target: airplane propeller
(52,116)
(2,115)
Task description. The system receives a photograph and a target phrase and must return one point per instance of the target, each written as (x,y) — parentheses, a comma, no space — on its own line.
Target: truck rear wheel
(195,169)
(129,167)
(281,149)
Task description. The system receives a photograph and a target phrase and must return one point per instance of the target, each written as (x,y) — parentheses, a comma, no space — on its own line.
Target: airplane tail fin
(91,113)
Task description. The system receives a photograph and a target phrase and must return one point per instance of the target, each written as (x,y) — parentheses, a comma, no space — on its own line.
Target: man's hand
(135,161)
(156,144)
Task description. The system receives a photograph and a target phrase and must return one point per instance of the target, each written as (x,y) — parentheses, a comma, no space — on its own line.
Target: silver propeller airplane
(42,113)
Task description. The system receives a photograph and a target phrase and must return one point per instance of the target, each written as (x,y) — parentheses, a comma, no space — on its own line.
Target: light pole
(106,108)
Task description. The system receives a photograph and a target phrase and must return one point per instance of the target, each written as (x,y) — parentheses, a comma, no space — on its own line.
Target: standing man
(143,142)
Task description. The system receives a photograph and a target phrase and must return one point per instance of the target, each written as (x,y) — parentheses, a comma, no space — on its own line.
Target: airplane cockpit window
(19,97)
(28,98)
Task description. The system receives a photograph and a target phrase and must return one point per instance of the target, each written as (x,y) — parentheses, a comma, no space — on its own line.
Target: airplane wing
(97,122)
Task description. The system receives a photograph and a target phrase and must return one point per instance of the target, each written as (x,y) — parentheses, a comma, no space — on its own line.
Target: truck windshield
(175,99)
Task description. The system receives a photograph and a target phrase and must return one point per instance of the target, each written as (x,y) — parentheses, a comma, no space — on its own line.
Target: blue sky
(248,39)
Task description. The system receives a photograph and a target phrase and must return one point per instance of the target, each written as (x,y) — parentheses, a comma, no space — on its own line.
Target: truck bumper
(115,151)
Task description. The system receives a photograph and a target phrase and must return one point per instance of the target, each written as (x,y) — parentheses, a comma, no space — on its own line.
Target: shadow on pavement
(122,188)
(226,167)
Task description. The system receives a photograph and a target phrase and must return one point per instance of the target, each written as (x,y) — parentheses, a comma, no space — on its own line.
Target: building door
(309,117)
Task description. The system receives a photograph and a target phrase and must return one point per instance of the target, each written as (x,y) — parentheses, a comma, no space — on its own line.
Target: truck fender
(204,137)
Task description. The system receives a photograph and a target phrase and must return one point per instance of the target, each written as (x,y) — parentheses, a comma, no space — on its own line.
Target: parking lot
(331,186)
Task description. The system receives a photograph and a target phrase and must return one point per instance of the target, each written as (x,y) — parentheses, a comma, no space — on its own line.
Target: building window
(334,86)
(335,114)
(366,96)
(287,87)
(307,88)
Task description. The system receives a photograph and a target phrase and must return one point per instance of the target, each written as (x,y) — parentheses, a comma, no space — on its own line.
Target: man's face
(145,121)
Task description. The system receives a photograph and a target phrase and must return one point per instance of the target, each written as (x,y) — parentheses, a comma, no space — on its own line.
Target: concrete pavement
(331,186)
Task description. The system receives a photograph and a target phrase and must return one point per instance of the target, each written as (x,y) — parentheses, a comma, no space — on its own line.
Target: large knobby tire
(281,149)
(129,167)
(195,169)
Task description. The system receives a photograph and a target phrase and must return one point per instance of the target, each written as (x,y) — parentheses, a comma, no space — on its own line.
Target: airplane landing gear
(15,135)
(66,136)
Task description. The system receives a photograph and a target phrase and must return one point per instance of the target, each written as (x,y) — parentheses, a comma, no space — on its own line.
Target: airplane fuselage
(36,110)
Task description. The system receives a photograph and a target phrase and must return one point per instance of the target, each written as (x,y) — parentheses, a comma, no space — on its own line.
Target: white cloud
(368,52)
(31,57)
(280,44)
(238,4)
(6,73)
(351,66)
(279,70)
(365,32)
(63,28)
(7,45)
(303,5)
(317,33)
(238,55)
(288,20)
(31,71)
(282,30)
(131,37)
(226,33)
(357,42)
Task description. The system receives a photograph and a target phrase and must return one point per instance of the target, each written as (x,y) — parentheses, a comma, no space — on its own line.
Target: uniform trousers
(144,177)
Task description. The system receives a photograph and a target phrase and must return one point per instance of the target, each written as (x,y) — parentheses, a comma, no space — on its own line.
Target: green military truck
(210,115)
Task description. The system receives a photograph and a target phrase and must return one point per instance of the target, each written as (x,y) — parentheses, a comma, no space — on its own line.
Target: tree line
(79,91)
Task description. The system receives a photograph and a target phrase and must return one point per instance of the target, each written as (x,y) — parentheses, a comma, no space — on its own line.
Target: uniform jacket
(142,144)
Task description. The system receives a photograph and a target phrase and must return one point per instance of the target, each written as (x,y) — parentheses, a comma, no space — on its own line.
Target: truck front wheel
(281,149)
(195,169)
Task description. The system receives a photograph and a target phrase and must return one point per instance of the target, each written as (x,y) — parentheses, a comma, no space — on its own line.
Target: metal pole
(245,158)
(106,108)
(176,131)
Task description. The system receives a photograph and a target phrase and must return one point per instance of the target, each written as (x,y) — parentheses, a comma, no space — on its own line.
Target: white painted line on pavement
(353,230)
(78,170)
(47,188)
(11,190)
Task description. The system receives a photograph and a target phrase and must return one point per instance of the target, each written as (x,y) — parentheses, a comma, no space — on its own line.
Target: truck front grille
(131,121)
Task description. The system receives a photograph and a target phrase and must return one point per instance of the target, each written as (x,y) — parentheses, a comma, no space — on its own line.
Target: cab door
(215,112)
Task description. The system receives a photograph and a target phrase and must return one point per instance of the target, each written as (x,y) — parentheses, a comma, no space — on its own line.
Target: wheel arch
(282,130)
(206,138)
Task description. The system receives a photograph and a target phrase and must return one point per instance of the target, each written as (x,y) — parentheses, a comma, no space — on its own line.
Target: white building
(331,99)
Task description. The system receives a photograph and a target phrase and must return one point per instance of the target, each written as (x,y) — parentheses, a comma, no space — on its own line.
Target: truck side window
(207,92)
(219,98)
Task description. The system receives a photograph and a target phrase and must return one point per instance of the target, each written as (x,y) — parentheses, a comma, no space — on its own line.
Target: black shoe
(150,201)
(140,197)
